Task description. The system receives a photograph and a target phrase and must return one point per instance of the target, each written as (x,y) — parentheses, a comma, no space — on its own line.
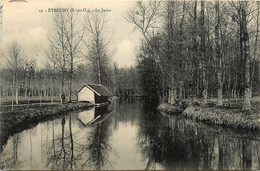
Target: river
(129,134)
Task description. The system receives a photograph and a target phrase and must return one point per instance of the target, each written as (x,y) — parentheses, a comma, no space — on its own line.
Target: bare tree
(14,61)
(144,16)
(52,57)
(97,43)
(74,35)
(30,67)
(59,44)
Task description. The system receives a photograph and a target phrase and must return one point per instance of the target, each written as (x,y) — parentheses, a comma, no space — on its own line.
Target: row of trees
(198,49)
(77,54)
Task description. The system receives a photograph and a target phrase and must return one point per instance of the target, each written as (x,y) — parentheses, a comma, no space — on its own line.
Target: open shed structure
(94,93)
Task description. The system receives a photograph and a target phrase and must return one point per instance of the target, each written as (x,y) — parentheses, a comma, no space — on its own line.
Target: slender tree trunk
(180,93)
(203,54)
(62,87)
(219,58)
(46,93)
(195,51)
(29,96)
(52,91)
(99,72)
(70,80)
(13,89)
(40,91)
(197,85)
(169,95)
(181,49)
(16,95)
(246,104)
(16,82)
(26,90)
(173,95)
(172,92)
(71,69)
(0,96)
(52,88)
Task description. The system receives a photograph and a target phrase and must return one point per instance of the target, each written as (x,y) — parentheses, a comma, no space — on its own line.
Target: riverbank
(230,114)
(24,117)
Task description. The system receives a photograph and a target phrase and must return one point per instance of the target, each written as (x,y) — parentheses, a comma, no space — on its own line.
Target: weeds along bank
(230,116)
(12,122)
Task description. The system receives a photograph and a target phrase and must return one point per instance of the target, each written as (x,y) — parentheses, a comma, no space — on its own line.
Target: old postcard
(129,85)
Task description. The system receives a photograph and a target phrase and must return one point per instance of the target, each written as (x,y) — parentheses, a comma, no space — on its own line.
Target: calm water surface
(128,135)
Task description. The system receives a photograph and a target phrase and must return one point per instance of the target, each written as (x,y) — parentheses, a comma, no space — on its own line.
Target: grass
(170,109)
(230,114)
(31,100)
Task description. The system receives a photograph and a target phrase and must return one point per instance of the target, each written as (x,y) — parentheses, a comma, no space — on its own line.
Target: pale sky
(23,22)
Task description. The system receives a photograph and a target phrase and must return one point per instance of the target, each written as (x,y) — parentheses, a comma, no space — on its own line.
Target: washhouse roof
(99,89)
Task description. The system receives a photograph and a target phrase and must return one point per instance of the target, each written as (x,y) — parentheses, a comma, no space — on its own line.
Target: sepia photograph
(129,85)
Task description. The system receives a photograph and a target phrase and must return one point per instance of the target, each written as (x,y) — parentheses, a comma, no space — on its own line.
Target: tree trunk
(173,95)
(62,88)
(246,104)
(195,50)
(205,90)
(99,72)
(40,95)
(220,90)
(181,48)
(13,92)
(16,95)
(203,55)
(180,93)
(52,91)
(219,58)
(169,96)
(71,76)
(70,88)
(0,96)
(26,90)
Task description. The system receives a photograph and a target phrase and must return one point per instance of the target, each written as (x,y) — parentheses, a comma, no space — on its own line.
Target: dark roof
(99,89)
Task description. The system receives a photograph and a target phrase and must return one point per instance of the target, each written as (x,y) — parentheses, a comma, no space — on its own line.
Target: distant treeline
(45,83)
(78,53)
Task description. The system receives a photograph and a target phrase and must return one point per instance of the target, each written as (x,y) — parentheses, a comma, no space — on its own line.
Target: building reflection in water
(89,150)
(133,136)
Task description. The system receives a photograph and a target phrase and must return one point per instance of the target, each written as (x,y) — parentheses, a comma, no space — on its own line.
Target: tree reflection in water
(164,143)
(61,149)
(91,151)
(97,147)
(175,143)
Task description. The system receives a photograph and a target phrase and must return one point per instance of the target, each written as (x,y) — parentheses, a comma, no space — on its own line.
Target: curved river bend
(129,134)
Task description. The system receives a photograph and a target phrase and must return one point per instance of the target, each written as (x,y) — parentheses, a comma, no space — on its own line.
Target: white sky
(23,22)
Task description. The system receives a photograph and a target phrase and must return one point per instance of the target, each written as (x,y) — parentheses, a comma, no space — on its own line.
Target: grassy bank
(172,109)
(230,114)
(24,117)
(7,100)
